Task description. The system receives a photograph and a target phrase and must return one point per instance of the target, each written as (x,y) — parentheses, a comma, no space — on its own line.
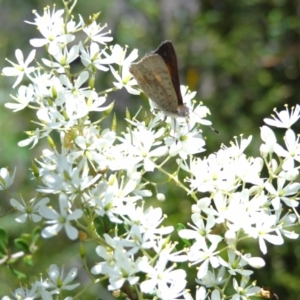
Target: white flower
(75,96)
(239,210)
(94,58)
(24,97)
(205,256)
(187,144)
(198,112)
(123,270)
(236,149)
(59,175)
(213,278)
(145,230)
(200,294)
(6,179)
(291,174)
(117,264)
(49,18)
(54,38)
(171,291)
(248,169)
(107,255)
(266,230)
(255,262)
(200,231)
(216,172)
(293,150)
(57,282)
(29,209)
(93,32)
(124,79)
(203,204)
(33,138)
(159,277)
(118,55)
(285,119)
(268,136)
(85,147)
(283,192)
(288,220)
(21,68)
(243,291)
(105,201)
(45,86)
(140,239)
(51,118)
(52,29)
(235,264)
(144,141)
(58,221)
(63,58)
(110,256)
(23,293)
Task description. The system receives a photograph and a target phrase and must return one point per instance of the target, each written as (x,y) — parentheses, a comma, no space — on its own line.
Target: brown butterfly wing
(153,77)
(167,52)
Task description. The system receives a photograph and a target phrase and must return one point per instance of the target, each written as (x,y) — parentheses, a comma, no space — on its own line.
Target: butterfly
(157,75)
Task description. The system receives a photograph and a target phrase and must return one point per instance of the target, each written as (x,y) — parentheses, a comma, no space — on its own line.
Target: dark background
(242,58)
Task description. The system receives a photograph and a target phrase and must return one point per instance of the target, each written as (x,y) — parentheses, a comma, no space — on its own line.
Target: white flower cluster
(44,289)
(98,174)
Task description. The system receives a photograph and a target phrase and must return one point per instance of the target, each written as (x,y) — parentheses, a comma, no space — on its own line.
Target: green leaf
(3,240)
(22,244)
(28,260)
(180,226)
(17,273)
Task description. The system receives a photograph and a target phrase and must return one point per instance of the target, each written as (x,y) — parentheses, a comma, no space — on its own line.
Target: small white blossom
(236,264)
(187,144)
(265,230)
(284,118)
(142,149)
(94,58)
(23,293)
(200,231)
(159,277)
(268,136)
(200,294)
(6,179)
(62,220)
(93,32)
(244,291)
(57,282)
(283,192)
(204,254)
(214,277)
(63,57)
(123,270)
(292,153)
(24,97)
(20,69)
(51,28)
(29,209)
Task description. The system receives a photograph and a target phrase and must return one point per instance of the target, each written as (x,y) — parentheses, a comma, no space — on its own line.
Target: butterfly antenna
(213,129)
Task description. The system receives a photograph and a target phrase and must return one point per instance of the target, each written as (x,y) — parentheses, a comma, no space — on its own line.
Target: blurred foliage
(242,57)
